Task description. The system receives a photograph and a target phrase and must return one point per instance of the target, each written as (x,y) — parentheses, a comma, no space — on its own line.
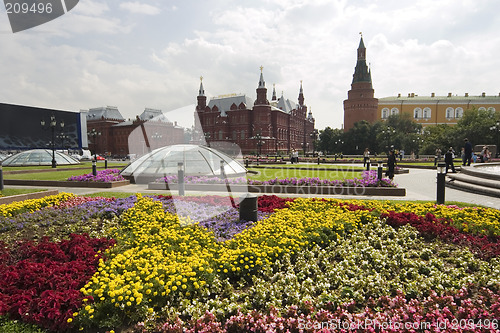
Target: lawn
(316,166)
(15,191)
(86,164)
(282,173)
(263,173)
(59,175)
(56,175)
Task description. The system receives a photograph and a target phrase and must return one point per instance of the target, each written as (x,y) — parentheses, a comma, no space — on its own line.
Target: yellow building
(435,110)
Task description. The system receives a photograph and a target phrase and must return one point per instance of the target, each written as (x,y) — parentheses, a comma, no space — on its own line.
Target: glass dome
(38,157)
(197,161)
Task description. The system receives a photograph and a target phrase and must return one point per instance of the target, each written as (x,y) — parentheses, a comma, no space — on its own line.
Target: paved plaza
(420,184)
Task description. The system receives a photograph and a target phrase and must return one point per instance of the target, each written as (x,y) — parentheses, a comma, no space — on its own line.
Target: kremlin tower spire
(262,90)
(360,103)
(202,99)
(301,95)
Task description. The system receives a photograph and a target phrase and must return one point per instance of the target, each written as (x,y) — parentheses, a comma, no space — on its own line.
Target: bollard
(1,177)
(246,163)
(379,171)
(180,178)
(368,165)
(441,177)
(248,207)
(105,163)
(222,171)
(94,167)
(318,160)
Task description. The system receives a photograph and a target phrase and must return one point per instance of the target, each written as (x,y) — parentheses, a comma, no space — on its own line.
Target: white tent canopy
(197,161)
(38,157)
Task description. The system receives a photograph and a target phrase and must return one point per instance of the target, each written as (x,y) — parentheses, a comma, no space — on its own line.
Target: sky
(152,53)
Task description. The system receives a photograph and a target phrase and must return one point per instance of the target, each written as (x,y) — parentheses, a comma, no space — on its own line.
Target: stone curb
(27,196)
(64,183)
(279,189)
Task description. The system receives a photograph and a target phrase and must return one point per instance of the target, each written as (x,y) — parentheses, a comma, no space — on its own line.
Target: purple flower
(108,175)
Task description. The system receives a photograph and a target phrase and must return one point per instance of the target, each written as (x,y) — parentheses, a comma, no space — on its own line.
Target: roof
(285,105)
(197,161)
(153,114)
(108,112)
(224,103)
(440,99)
(39,157)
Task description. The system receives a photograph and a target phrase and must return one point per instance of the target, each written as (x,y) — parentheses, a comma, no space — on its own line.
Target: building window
(417,113)
(482,108)
(427,113)
(220,135)
(449,113)
(385,113)
(492,109)
(242,135)
(235,135)
(459,112)
(394,111)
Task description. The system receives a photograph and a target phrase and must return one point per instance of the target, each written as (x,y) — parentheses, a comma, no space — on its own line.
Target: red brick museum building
(260,126)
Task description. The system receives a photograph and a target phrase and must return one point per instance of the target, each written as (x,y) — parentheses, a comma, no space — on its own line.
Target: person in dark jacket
(468,152)
(391,164)
(448,160)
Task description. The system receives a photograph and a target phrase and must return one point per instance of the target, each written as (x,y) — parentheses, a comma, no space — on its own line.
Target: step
(474,188)
(484,182)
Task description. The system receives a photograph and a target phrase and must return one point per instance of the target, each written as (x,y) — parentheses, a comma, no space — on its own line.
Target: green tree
(358,138)
(438,136)
(475,125)
(399,132)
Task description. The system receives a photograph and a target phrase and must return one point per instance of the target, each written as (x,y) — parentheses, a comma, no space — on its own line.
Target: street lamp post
(417,142)
(260,143)
(207,139)
(52,126)
(497,129)
(314,135)
(180,178)
(441,177)
(94,134)
(1,177)
(337,144)
(157,137)
(387,133)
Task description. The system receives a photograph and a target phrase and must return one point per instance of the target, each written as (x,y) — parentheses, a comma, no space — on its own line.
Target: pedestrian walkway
(420,184)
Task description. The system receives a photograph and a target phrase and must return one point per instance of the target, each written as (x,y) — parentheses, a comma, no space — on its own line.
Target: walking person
(391,164)
(468,152)
(448,160)
(437,156)
(366,156)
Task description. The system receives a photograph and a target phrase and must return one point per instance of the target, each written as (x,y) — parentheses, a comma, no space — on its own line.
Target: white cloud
(91,8)
(99,55)
(140,8)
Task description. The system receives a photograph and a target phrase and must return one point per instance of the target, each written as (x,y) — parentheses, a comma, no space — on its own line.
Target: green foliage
(402,132)
(475,125)
(330,140)
(15,191)
(15,326)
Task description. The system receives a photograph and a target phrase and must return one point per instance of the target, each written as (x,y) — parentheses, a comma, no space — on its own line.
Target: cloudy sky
(151,53)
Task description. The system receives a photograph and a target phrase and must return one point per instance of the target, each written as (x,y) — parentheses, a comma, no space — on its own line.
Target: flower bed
(103,176)
(368,179)
(186,264)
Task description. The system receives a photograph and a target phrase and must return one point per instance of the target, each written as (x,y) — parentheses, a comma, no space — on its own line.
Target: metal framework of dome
(197,161)
(38,157)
